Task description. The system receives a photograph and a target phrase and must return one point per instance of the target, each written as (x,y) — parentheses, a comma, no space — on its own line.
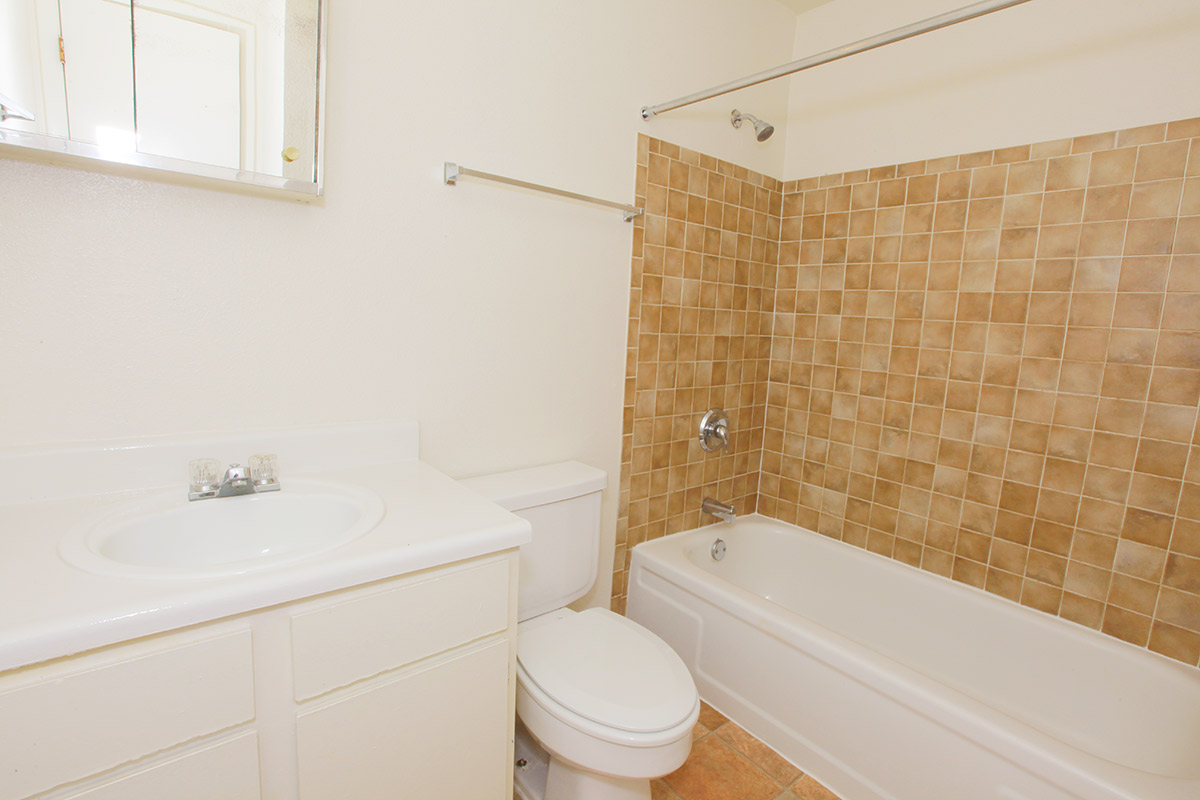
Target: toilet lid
(610,670)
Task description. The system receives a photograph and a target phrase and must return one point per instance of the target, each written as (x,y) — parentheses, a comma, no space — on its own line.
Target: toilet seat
(597,665)
(528,692)
(608,676)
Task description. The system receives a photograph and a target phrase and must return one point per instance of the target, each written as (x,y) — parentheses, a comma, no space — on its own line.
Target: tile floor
(727,763)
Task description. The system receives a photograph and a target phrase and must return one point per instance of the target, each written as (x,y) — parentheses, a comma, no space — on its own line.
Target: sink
(162,534)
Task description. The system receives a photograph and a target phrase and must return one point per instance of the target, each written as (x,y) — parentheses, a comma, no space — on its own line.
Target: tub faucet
(725,512)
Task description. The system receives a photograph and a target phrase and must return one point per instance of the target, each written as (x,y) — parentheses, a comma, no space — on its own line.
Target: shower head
(762,130)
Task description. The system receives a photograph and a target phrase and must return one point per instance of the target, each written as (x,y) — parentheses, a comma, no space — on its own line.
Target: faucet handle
(204,474)
(714,430)
(264,471)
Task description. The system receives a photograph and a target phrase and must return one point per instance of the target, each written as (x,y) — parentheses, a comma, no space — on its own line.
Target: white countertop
(49,608)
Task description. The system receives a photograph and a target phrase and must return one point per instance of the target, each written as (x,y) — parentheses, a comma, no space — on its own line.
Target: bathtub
(883,681)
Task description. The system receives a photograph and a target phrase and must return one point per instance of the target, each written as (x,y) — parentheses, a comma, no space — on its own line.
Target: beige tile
(1180,609)
(1174,642)
(1156,199)
(1127,625)
(1150,236)
(1068,172)
(1107,203)
(1082,610)
(1146,134)
(1160,161)
(1110,167)
(1183,573)
(1069,371)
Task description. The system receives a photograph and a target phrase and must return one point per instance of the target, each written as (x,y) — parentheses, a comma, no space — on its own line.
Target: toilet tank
(562,504)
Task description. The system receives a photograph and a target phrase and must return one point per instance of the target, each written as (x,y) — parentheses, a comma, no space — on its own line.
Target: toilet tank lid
(535,486)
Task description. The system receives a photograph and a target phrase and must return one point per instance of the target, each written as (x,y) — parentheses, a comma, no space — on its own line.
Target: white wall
(1046,69)
(497,318)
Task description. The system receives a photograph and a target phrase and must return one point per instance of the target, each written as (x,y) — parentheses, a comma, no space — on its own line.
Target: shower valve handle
(714,431)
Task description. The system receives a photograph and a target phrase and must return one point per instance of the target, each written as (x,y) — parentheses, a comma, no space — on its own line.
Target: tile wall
(986,366)
(699,337)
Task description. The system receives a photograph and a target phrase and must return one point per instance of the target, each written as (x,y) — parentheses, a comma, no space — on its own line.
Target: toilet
(603,704)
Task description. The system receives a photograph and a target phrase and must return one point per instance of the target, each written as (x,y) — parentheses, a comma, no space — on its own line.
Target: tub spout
(725,512)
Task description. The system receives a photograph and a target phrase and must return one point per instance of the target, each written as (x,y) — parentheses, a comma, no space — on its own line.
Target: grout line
(1024,334)
(1195,425)
(1074,297)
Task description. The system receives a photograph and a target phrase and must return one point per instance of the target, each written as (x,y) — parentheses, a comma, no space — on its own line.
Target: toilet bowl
(603,704)
(610,702)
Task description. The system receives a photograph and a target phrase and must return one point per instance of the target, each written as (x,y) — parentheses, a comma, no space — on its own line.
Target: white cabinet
(227,770)
(403,687)
(79,716)
(361,634)
(442,747)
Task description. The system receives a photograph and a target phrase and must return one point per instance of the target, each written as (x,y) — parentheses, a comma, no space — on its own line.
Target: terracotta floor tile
(787,796)
(660,791)
(766,759)
(710,717)
(715,771)
(699,732)
(808,789)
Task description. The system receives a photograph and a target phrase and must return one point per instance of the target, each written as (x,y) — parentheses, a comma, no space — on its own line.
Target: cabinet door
(66,721)
(436,733)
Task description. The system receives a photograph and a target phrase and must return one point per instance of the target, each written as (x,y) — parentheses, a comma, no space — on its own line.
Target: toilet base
(532,762)
(566,782)
(540,776)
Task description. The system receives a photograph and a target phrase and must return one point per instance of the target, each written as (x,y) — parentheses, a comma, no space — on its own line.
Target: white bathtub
(883,681)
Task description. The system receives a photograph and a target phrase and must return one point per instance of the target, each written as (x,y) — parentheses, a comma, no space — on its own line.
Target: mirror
(228,89)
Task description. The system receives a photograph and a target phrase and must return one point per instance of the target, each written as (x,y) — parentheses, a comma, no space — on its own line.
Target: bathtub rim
(1008,737)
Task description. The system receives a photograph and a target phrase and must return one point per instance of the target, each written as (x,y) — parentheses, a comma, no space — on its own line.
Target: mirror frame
(81,153)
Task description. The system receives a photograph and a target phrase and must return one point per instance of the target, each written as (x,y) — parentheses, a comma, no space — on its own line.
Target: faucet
(236,481)
(725,512)
(260,476)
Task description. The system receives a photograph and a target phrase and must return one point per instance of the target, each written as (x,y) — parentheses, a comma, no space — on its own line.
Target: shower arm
(854,48)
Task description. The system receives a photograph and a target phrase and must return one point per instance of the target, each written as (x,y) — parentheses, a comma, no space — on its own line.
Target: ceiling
(800,6)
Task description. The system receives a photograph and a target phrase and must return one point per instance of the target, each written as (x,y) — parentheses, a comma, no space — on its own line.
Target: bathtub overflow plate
(718,549)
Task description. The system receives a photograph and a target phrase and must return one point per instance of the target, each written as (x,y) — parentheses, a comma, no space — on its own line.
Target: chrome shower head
(762,130)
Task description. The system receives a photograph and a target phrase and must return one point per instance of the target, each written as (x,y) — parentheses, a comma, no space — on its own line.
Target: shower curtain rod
(861,46)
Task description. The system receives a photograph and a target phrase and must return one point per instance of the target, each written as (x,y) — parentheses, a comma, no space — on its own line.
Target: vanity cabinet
(403,687)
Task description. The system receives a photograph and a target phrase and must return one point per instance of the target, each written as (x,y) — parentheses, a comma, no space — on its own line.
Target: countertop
(49,608)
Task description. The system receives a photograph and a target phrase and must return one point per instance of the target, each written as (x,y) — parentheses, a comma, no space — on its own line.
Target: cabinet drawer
(66,721)
(396,624)
(228,771)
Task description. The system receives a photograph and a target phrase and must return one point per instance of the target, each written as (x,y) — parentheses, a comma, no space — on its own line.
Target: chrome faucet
(725,512)
(260,476)
(236,481)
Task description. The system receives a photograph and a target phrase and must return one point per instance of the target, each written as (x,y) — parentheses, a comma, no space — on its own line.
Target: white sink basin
(164,535)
